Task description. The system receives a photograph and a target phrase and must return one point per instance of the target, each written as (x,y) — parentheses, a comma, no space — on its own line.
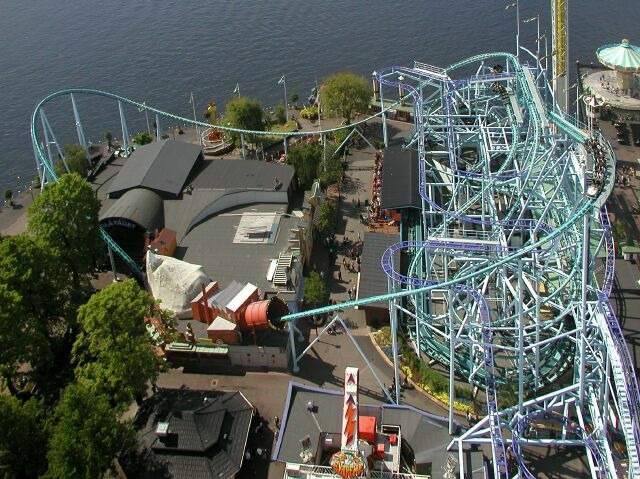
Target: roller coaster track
(48,173)
(502,255)
(624,377)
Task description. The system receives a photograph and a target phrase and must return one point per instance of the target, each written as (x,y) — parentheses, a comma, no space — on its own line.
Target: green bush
(281,115)
(426,378)
(310,113)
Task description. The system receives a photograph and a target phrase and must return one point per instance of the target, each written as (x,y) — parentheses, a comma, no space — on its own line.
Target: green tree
(315,291)
(76,160)
(65,215)
(86,437)
(15,335)
(331,167)
(327,218)
(143,138)
(8,197)
(108,137)
(23,446)
(113,353)
(306,159)
(35,299)
(345,95)
(281,115)
(245,114)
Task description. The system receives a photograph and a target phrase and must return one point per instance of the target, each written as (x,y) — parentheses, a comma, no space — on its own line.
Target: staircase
(281,277)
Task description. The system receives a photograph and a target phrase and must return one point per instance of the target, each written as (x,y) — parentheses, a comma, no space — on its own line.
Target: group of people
(597,181)
(376,187)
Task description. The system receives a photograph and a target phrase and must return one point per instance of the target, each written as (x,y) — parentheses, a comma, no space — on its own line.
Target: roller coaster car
(592,191)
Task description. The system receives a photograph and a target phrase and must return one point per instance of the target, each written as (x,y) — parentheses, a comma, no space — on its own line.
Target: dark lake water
(159,51)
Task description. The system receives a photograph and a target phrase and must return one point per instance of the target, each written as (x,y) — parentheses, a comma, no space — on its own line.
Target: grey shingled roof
(400,179)
(243,175)
(143,207)
(196,447)
(162,166)
(373,280)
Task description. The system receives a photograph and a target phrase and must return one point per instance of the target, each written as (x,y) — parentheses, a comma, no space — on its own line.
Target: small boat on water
(214,142)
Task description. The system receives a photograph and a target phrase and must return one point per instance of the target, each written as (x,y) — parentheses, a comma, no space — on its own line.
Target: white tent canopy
(175,283)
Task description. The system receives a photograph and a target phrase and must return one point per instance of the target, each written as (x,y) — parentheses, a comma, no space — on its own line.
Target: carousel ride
(619,86)
(214,140)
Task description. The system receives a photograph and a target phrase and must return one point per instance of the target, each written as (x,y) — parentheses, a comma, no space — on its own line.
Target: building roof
(221,298)
(427,434)
(400,177)
(243,175)
(211,244)
(140,206)
(162,166)
(373,280)
(207,432)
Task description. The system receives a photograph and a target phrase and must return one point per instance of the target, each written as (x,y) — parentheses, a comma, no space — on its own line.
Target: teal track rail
(142,106)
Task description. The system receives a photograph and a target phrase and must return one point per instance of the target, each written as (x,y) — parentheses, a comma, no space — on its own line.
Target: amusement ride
(510,259)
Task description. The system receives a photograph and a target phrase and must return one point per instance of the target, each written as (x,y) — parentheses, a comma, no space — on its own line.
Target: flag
(281,81)
(237,88)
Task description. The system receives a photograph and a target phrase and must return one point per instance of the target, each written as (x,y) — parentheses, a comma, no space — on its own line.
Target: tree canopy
(327,218)
(244,113)
(315,291)
(35,302)
(76,159)
(113,352)
(345,95)
(23,444)
(306,159)
(143,138)
(86,437)
(65,215)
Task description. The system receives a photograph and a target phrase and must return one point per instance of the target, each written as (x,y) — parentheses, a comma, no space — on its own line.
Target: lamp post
(400,89)
(516,4)
(537,19)
(146,115)
(195,119)
(577,102)
(283,81)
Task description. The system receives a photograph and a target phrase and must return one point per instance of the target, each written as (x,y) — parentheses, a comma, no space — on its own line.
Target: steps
(281,276)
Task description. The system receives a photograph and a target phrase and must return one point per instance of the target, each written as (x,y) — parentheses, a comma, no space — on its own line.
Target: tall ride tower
(560,51)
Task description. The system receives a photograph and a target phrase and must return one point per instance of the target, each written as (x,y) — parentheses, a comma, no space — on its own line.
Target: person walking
(339,275)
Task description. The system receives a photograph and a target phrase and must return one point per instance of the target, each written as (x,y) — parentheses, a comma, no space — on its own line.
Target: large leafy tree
(87,435)
(75,157)
(23,446)
(65,215)
(16,337)
(245,113)
(315,290)
(345,95)
(35,302)
(112,352)
(306,159)
(326,223)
